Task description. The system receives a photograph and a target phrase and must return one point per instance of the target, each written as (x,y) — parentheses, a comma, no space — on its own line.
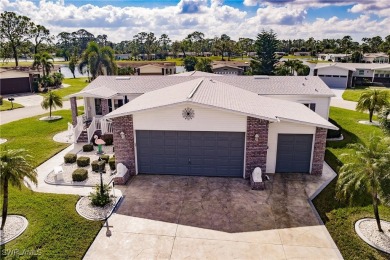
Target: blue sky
(290,19)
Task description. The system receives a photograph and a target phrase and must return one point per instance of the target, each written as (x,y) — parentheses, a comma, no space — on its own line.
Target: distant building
(230,67)
(156,69)
(302,53)
(125,56)
(376,58)
(334,57)
(16,81)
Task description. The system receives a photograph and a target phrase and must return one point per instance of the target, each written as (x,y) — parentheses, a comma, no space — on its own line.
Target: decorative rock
(122,175)
(367,230)
(14,227)
(48,118)
(257,180)
(85,209)
(2,140)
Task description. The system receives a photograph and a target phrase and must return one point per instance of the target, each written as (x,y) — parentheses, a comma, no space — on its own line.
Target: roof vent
(303,84)
(261,77)
(122,78)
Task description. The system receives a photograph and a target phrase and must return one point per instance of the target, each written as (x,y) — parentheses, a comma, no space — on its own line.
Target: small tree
(204,64)
(366,171)
(58,78)
(189,63)
(15,165)
(72,65)
(51,100)
(100,197)
(372,100)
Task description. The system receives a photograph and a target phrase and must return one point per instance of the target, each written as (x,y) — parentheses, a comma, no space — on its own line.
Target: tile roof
(273,85)
(216,94)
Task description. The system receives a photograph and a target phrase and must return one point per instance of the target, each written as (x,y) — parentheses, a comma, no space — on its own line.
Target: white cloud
(210,17)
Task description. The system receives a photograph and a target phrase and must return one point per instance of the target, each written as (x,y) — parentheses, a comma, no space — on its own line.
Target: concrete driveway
(177,217)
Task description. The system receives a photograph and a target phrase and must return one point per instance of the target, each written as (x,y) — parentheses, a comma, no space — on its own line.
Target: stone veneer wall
(73,108)
(256,151)
(124,148)
(319,151)
(105,110)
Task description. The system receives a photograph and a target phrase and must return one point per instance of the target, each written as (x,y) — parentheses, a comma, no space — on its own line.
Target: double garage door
(190,153)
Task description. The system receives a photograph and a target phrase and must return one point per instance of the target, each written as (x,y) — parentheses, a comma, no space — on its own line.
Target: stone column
(124,147)
(73,108)
(319,151)
(256,151)
(105,109)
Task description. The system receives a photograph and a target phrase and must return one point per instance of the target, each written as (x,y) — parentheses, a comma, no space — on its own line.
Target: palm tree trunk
(371,113)
(376,212)
(5,204)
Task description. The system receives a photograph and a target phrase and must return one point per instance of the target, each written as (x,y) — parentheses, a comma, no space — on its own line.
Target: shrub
(70,158)
(87,148)
(105,157)
(95,166)
(108,138)
(83,161)
(334,133)
(99,199)
(79,175)
(111,162)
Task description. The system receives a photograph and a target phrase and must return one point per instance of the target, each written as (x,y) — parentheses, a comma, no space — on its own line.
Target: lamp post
(100,163)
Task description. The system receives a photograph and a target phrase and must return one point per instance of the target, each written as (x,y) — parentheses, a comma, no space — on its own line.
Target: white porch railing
(105,125)
(92,128)
(78,129)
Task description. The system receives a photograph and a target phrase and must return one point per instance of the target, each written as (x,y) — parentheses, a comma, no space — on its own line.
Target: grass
(7,105)
(338,217)
(55,230)
(354,94)
(298,57)
(76,85)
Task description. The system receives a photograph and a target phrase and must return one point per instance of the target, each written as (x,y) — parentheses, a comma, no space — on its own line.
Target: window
(343,76)
(361,72)
(109,105)
(312,106)
(118,103)
(98,106)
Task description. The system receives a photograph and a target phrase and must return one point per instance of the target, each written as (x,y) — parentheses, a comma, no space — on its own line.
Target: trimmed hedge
(105,157)
(108,138)
(70,158)
(79,175)
(95,165)
(83,161)
(87,148)
(334,133)
(111,163)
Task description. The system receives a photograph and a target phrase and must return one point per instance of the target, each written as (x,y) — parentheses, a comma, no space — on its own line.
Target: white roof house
(210,126)
(376,57)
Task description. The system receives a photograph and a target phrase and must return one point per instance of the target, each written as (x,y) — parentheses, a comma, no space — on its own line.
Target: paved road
(338,101)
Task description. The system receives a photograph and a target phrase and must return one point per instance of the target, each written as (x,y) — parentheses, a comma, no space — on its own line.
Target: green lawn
(76,85)
(7,105)
(337,216)
(55,229)
(354,94)
(298,57)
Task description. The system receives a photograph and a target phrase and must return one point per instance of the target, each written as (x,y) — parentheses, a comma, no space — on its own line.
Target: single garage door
(190,153)
(294,153)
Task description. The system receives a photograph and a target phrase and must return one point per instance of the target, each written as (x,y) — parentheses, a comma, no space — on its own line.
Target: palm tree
(99,60)
(44,60)
(372,100)
(51,100)
(204,64)
(15,165)
(384,119)
(366,169)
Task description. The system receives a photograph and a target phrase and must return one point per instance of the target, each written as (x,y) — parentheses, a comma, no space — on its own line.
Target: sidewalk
(338,100)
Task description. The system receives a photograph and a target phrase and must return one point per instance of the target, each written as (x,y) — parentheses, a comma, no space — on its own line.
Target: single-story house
(302,53)
(210,126)
(376,57)
(227,69)
(168,68)
(335,57)
(343,75)
(17,81)
(220,66)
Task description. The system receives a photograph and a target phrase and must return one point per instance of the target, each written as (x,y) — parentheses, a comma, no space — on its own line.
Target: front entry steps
(83,138)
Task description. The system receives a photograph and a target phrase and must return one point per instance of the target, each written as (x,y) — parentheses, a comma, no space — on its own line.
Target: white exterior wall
(283,128)
(367,73)
(322,103)
(334,77)
(150,70)
(205,119)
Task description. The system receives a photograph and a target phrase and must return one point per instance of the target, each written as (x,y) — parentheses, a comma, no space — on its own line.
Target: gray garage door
(294,153)
(190,153)
(334,81)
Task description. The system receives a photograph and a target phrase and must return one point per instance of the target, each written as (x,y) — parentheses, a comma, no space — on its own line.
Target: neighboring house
(195,73)
(16,81)
(210,126)
(156,69)
(227,69)
(125,56)
(339,57)
(376,58)
(240,67)
(343,75)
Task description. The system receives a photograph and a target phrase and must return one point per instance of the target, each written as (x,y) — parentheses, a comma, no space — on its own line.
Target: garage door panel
(209,153)
(294,153)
